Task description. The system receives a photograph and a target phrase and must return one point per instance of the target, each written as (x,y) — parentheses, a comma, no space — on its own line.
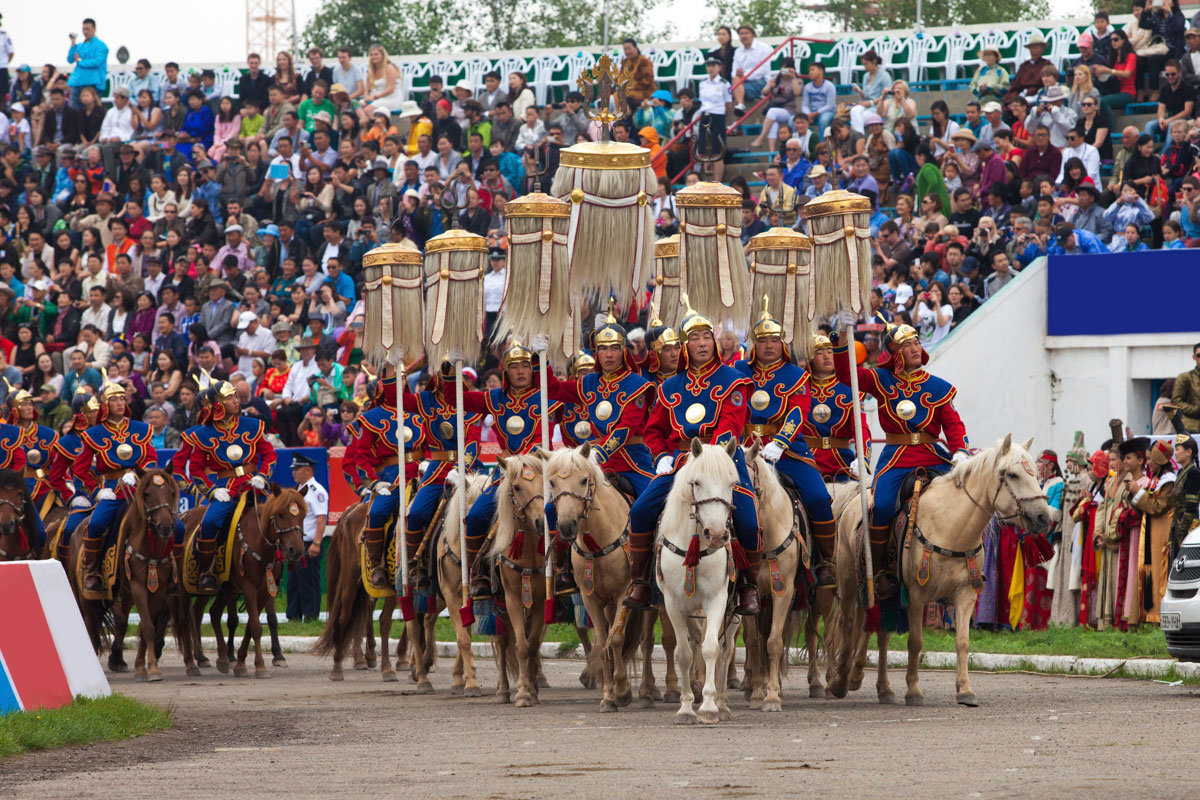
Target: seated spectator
(991,80)
(1129,240)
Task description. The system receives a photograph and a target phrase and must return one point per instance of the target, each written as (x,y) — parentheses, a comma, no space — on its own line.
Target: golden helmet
(516,353)
(819,341)
(659,335)
(20,397)
(693,320)
(580,362)
(112,390)
(767,326)
(897,335)
(611,332)
(222,390)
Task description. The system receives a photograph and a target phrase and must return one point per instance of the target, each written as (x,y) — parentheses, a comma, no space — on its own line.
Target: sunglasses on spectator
(1171,74)
(1087,104)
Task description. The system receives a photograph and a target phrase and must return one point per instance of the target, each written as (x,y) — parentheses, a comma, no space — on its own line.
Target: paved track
(302,735)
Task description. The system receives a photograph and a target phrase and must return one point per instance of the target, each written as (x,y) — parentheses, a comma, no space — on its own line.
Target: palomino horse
(266,527)
(18,519)
(948,536)
(824,608)
(700,504)
(769,638)
(145,575)
(592,520)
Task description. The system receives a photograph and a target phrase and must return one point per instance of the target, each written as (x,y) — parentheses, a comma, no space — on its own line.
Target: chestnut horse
(18,519)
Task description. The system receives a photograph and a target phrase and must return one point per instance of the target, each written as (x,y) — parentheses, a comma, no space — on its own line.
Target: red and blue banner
(46,658)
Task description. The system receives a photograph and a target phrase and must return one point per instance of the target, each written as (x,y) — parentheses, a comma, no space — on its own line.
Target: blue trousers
(479,518)
(216,518)
(812,489)
(887,486)
(104,515)
(644,515)
(73,519)
(383,507)
(424,503)
(902,164)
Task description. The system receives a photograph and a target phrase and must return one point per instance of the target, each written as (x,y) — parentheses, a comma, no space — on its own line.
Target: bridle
(698,503)
(1002,484)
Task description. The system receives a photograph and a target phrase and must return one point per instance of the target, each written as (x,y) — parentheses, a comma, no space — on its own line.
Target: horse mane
(506,515)
(135,515)
(12,479)
(988,461)
(712,463)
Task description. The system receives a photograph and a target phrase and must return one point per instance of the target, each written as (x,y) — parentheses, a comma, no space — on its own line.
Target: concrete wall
(1012,377)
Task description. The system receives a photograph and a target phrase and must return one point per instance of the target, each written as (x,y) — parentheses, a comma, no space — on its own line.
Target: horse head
(157,495)
(708,479)
(520,504)
(282,522)
(16,513)
(573,481)
(1015,493)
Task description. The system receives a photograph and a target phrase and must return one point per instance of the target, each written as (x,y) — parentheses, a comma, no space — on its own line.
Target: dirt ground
(1033,736)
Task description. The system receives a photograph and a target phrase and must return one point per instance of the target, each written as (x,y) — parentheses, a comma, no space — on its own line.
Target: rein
(1002,484)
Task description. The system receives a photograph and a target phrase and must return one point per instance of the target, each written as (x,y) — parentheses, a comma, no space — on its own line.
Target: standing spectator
(290,404)
(723,52)
(635,68)
(818,100)
(1185,398)
(304,578)
(215,314)
(254,83)
(91,63)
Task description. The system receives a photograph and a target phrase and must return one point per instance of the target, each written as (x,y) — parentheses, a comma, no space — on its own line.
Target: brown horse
(267,527)
(145,578)
(18,519)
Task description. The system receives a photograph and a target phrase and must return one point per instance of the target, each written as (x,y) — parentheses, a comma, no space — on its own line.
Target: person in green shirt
(54,412)
(930,179)
(477,122)
(327,388)
(252,120)
(318,102)
(38,310)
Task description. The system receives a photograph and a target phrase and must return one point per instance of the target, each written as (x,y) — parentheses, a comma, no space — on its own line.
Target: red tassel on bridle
(693,552)
(518,545)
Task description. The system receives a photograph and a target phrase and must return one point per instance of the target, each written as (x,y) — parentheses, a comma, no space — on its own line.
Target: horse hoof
(709,717)
(684,718)
(203,661)
(279,661)
(155,677)
(914,700)
(120,666)
(625,700)
(889,699)
(608,707)
(240,672)
(223,667)
(193,672)
(262,673)
(337,676)
(968,699)
(424,687)
(734,683)
(360,666)
(816,690)
(855,685)
(140,677)
(725,714)
(837,689)
(587,680)
(472,691)
(756,703)
(645,702)
(456,691)
(542,683)
(389,676)
(670,697)
(503,697)
(524,701)
(372,663)
(772,706)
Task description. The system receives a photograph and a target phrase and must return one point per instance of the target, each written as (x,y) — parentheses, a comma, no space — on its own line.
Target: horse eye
(583,482)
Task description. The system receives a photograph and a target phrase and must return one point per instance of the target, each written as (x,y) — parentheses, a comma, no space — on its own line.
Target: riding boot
(373,537)
(641,595)
(479,570)
(564,577)
(823,536)
(885,583)
(205,551)
(747,588)
(418,577)
(92,548)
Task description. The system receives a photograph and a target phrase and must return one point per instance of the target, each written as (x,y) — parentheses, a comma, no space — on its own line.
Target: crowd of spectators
(183,231)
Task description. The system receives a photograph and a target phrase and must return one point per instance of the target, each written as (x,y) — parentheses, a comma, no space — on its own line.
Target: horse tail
(635,632)
(793,624)
(341,623)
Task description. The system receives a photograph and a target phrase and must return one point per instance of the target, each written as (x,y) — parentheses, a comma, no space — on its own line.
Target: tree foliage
(769,17)
(878,15)
(410,27)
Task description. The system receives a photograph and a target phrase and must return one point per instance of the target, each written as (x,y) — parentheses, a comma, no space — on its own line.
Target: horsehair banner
(666,296)
(712,264)
(781,269)
(838,222)
(394,303)
(46,658)
(455,263)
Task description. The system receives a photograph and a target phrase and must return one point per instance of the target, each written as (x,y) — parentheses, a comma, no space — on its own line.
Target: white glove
(959,457)
(129,479)
(382,489)
(105,494)
(452,477)
(540,343)
(81,502)
(596,457)
(772,451)
(259,482)
(846,317)
(664,465)
(221,495)
(854,467)
(70,488)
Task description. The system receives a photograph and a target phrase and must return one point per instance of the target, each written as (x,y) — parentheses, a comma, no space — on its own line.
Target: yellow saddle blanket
(222,559)
(110,560)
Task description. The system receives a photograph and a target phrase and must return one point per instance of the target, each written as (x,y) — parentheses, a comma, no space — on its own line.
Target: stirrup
(825,575)
(885,585)
(637,599)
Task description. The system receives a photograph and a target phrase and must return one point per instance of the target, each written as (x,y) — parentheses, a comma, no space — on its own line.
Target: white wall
(1012,377)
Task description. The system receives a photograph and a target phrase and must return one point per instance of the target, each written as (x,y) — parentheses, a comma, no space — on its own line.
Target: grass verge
(1146,641)
(84,721)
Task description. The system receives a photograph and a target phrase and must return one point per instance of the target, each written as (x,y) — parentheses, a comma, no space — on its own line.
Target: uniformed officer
(230,456)
(304,581)
(66,450)
(709,401)
(778,405)
(829,426)
(114,451)
(573,425)
(915,410)
(38,443)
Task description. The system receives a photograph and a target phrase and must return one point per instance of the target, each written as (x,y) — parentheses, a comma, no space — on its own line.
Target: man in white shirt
(715,99)
(493,287)
(97,313)
(304,578)
(290,404)
(36,248)
(1078,148)
(254,341)
(116,129)
(155,277)
(746,64)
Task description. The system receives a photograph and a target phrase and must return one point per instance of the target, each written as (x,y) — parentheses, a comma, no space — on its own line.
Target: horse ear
(697,448)
(586,450)
(1028,444)
(1006,445)
(502,462)
(731,446)
(276,489)
(541,453)
(753,454)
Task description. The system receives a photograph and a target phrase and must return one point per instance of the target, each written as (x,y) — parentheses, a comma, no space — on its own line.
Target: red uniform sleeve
(58,471)
(868,381)
(179,461)
(82,469)
(149,458)
(266,457)
(473,402)
(563,391)
(197,467)
(952,426)
(658,429)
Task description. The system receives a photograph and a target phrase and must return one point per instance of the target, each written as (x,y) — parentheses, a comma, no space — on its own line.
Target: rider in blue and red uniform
(234,450)
(373,464)
(915,411)
(114,451)
(829,426)
(778,407)
(38,442)
(572,420)
(662,352)
(708,401)
(67,449)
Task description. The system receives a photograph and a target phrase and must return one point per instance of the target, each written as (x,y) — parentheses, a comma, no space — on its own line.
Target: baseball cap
(244,320)
(990,106)
(904,293)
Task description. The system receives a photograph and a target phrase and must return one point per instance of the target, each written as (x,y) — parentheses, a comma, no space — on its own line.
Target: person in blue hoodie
(1072,242)
(90,58)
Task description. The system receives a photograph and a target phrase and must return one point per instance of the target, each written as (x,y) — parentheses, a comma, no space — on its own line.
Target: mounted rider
(114,451)
(663,349)
(915,410)
(708,401)
(572,420)
(230,457)
(829,426)
(374,462)
(516,409)
(38,443)
(66,451)
(181,461)
(779,405)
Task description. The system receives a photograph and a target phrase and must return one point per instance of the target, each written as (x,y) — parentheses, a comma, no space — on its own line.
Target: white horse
(701,503)
(948,536)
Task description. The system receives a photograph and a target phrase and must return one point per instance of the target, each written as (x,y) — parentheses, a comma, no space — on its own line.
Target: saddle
(110,560)
(222,557)
(623,485)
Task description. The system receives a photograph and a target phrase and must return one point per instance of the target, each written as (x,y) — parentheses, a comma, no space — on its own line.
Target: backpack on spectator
(1156,198)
